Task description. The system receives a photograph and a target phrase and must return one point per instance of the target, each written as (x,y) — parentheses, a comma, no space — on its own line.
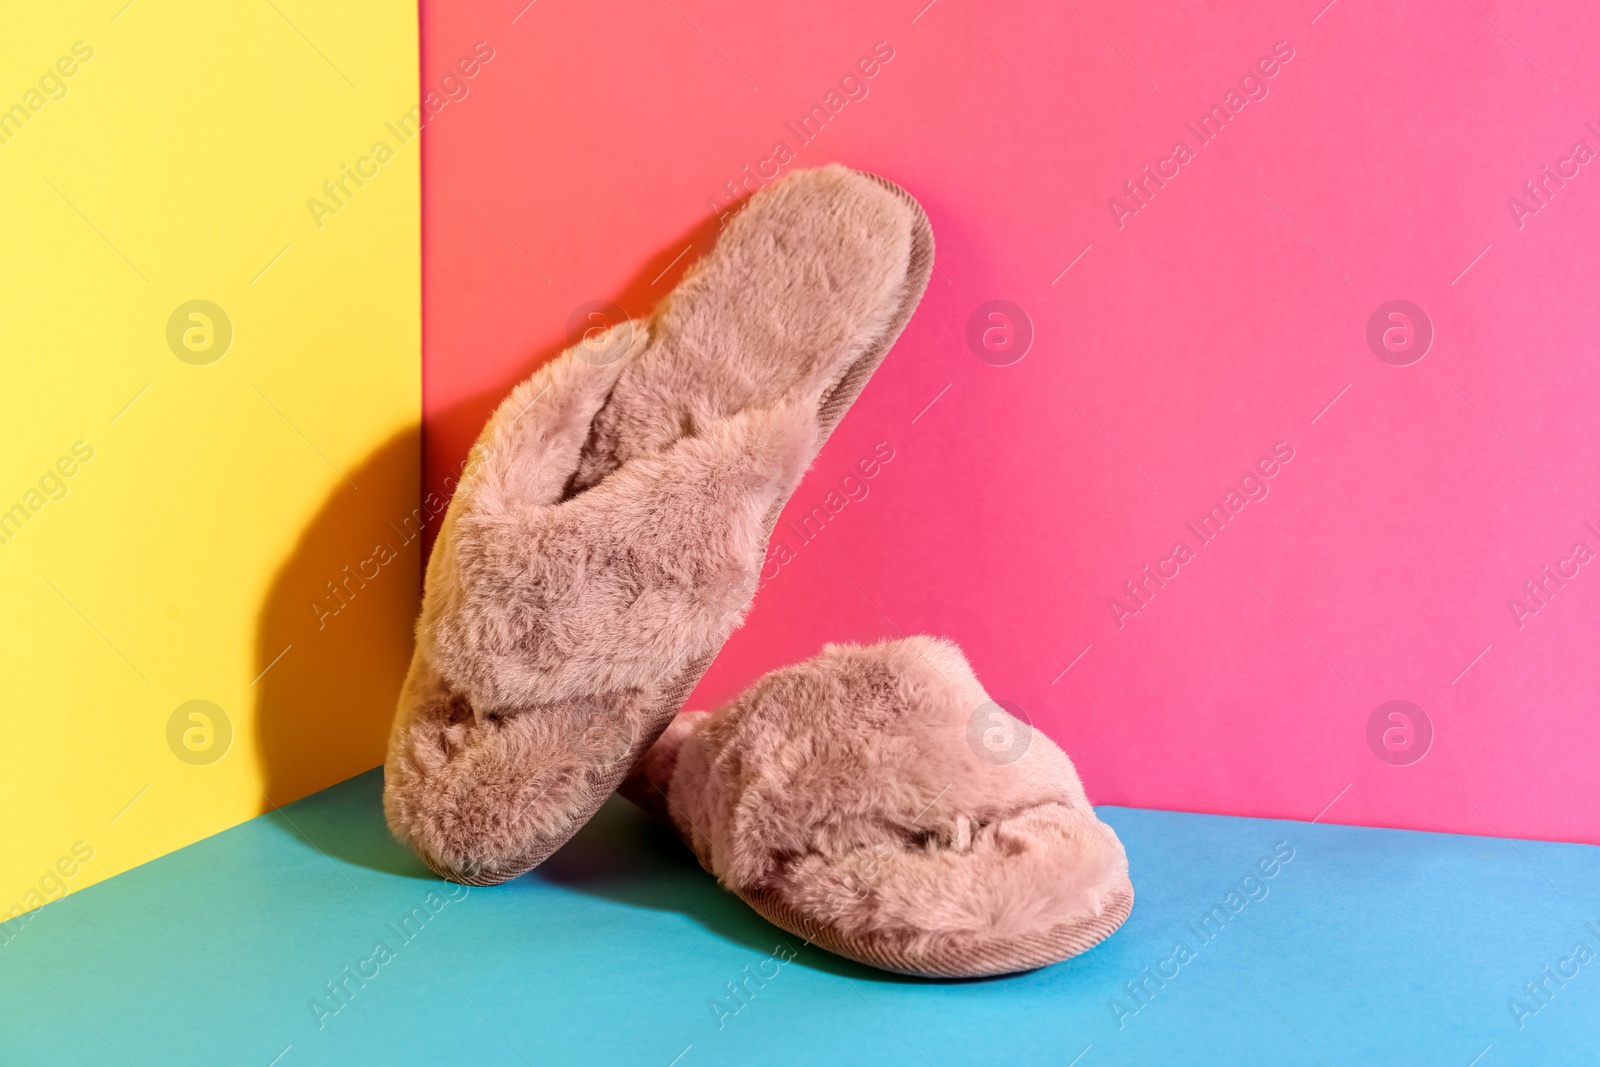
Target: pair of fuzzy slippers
(606,539)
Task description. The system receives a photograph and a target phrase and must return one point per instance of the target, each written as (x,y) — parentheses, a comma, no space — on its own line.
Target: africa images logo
(1139,591)
(1138,192)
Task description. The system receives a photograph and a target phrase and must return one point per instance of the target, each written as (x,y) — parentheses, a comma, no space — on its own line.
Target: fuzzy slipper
(876,802)
(610,528)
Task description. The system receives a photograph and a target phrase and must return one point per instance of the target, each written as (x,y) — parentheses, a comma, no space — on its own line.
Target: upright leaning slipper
(609,530)
(856,801)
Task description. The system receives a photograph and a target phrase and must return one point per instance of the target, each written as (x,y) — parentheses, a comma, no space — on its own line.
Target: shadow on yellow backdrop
(209,412)
(334,635)
(326,690)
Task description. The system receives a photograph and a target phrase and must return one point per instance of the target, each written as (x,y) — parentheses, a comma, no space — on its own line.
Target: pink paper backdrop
(1174,347)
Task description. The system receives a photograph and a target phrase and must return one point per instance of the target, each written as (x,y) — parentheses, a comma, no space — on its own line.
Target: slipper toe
(481,801)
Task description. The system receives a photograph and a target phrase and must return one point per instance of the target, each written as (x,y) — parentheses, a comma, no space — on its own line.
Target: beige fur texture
(609,531)
(850,800)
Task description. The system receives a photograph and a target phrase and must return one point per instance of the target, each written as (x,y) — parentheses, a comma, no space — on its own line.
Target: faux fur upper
(846,789)
(609,531)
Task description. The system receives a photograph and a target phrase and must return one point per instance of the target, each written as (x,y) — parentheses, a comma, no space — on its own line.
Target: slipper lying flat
(609,530)
(852,801)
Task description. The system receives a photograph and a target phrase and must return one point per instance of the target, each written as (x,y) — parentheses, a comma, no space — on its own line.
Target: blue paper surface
(309,937)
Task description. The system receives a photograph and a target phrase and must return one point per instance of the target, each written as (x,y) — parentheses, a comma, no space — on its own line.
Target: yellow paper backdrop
(169,511)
